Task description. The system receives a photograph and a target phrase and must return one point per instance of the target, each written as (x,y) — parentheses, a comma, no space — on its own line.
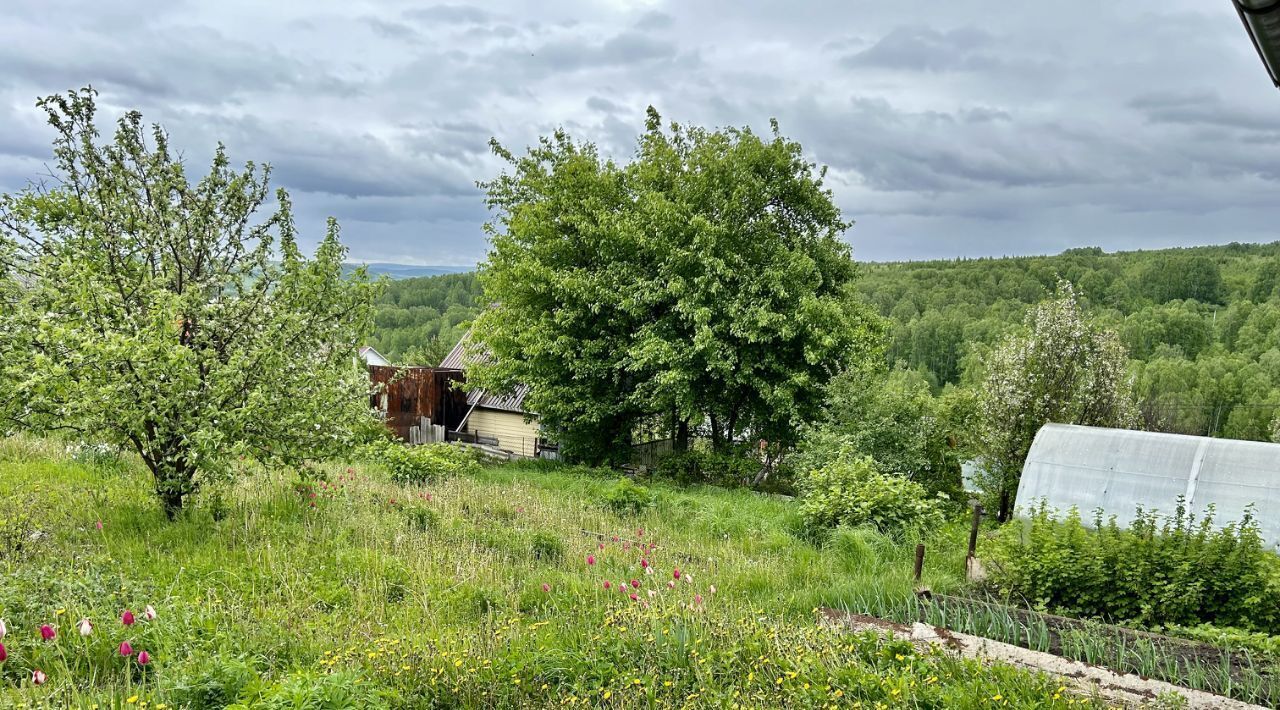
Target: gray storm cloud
(959,129)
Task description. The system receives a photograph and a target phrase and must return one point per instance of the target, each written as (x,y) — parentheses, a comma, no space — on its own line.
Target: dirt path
(1126,689)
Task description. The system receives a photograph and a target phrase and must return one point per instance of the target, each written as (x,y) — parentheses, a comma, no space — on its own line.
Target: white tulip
(86,627)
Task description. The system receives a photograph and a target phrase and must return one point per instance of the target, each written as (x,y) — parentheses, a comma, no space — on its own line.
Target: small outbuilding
(1118,470)
(499,420)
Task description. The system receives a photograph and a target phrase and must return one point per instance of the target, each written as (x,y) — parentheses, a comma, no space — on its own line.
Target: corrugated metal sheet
(459,357)
(407,394)
(1117,470)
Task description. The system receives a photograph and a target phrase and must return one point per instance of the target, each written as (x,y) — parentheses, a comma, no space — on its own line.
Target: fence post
(919,568)
(973,529)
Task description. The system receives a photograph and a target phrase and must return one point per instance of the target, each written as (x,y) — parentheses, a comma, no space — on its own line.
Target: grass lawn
(515,587)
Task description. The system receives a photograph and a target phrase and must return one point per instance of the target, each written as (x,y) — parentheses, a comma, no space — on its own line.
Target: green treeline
(1202,324)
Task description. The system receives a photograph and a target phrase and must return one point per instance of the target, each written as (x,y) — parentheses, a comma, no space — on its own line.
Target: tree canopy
(167,316)
(702,286)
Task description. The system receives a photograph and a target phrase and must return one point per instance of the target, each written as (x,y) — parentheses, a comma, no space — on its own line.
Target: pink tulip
(126,649)
(47,633)
(37,677)
(640,532)
(676,573)
(127,618)
(635,583)
(634,598)
(697,599)
(601,546)
(150,613)
(615,538)
(86,627)
(350,470)
(144,658)
(546,587)
(607,584)
(3,653)
(644,562)
(591,559)
(99,525)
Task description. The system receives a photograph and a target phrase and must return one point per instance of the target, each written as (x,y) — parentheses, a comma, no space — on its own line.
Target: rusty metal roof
(459,357)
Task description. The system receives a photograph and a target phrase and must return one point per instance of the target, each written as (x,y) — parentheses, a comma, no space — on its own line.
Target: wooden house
(498,420)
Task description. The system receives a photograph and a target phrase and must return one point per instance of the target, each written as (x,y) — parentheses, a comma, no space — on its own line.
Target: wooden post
(973,529)
(919,569)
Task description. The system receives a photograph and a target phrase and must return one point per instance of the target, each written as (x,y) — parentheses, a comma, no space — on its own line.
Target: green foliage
(168,317)
(427,463)
(855,494)
(421,518)
(703,284)
(1177,278)
(1261,643)
(546,546)
(729,469)
(626,497)
(1180,571)
(892,418)
(1066,369)
(417,321)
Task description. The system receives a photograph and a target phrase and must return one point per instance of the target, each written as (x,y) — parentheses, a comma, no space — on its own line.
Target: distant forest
(1202,324)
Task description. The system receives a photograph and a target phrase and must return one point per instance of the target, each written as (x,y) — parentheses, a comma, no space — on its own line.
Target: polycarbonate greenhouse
(1117,470)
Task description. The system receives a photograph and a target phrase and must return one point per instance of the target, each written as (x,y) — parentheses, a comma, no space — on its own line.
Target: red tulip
(634,598)
(591,559)
(602,546)
(127,618)
(676,573)
(144,658)
(635,583)
(47,633)
(126,649)
(546,587)
(697,599)
(644,562)
(607,584)
(3,653)
(37,677)
(640,532)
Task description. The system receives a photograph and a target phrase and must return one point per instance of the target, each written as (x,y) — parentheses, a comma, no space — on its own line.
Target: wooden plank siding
(509,428)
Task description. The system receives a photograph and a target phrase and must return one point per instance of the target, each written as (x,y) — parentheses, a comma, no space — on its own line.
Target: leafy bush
(545,546)
(854,493)
(720,469)
(1257,642)
(1181,571)
(628,497)
(422,518)
(423,464)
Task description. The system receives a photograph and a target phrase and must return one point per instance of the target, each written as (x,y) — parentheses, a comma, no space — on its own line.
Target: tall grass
(473,591)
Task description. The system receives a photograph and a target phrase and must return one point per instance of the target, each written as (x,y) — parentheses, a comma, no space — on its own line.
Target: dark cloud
(963,129)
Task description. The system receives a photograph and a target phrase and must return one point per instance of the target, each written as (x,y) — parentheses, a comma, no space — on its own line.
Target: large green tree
(167,316)
(703,286)
(1065,369)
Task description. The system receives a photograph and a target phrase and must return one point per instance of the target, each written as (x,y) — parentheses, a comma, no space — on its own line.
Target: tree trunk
(681,443)
(715,432)
(1003,514)
(172,501)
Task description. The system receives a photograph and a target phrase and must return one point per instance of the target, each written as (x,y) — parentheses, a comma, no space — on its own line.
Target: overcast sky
(974,128)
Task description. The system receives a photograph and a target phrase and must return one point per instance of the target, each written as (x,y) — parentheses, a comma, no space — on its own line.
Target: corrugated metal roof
(1117,470)
(460,356)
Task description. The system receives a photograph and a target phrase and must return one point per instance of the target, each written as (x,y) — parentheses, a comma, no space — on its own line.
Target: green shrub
(707,467)
(422,518)
(626,497)
(1181,571)
(546,547)
(855,494)
(1257,642)
(423,464)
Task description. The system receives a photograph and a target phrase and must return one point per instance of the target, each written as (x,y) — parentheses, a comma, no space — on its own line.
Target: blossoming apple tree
(172,317)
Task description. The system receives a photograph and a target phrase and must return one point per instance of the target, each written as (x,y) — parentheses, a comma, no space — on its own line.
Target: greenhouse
(1118,470)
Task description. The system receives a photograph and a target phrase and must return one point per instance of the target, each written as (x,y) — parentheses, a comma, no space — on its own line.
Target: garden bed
(1202,666)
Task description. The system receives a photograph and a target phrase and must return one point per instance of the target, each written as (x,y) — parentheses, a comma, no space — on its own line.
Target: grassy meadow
(514,587)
